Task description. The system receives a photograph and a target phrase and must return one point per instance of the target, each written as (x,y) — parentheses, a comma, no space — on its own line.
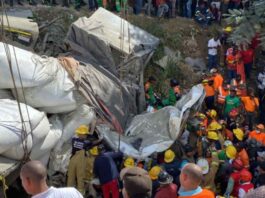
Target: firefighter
(209,169)
(78,161)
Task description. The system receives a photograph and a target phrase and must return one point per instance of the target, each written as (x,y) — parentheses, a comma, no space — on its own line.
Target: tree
(248,23)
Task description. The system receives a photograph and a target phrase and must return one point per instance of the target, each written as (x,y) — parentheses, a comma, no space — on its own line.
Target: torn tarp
(155,132)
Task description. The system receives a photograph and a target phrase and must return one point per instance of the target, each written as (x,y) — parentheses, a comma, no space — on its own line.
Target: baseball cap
(136,181)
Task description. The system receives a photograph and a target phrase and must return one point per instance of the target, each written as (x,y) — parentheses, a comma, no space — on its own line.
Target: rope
(8,55)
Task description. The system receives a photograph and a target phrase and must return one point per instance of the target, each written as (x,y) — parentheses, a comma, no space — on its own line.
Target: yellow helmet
(231,152)
(129,162)
(228,29)
(82,130)
(94,150)
(205,81)
(154,172)
(214,126)
(212,113)
(239,134)
(169,156)
(212,135)
(202,116)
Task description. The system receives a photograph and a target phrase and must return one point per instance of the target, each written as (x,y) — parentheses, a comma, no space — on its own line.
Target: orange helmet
(245,175)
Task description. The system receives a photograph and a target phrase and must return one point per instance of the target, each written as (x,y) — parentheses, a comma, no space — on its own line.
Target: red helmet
(245,176)
(237,164)
(233,113)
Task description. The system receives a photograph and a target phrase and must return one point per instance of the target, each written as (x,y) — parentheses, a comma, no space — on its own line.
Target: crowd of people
(204,11)
(220,153)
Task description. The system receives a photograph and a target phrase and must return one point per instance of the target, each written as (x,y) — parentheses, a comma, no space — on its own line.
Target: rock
(197,64)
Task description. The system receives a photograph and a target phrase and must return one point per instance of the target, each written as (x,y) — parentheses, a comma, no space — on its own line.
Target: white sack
(11,127)
(82,115)
(34,70)
(58,92)
(50,140)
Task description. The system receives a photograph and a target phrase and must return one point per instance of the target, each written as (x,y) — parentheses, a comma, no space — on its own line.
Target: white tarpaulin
(155,132)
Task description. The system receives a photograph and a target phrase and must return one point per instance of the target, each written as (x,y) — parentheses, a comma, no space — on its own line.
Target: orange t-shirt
(217,81)
(250,104)
(204,194)
(209,90)
(243,155)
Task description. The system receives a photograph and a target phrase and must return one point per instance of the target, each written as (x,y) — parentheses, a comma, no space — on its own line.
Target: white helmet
(227,143)
(203,163)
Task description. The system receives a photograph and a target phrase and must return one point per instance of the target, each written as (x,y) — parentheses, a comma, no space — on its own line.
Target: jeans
(248,68)
(162,9)
(231,74)
(251,117)
(138,6)
(212,61)
(209,101)
(187,8)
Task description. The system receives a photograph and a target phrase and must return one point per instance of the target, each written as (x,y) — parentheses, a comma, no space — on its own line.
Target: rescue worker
(242,154)
(231,102)
(217,79)
(212,116)
(234,180)
(173,92)
(209,93)
(153,173)
(78,161)
(149,91)
(222,92)
(171,164)
(167,188)
(213,141)
(93,153)
(106,171)
(190,179)
(257,135)
(209,173)
(245,183)
(251,106)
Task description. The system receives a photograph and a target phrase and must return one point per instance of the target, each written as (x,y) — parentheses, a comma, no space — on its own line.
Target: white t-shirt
(52,192)
(213,43)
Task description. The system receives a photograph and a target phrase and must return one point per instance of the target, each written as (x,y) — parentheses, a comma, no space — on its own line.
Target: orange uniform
(243,156)
(217,81)
(209,90)
(250,104)
(259,137)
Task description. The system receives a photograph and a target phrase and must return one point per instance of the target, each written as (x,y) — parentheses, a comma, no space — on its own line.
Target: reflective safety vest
(204,194)
(247,187)
(240,87)
(221,95)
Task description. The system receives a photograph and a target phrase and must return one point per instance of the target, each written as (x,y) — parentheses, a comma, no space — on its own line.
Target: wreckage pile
(45,99)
